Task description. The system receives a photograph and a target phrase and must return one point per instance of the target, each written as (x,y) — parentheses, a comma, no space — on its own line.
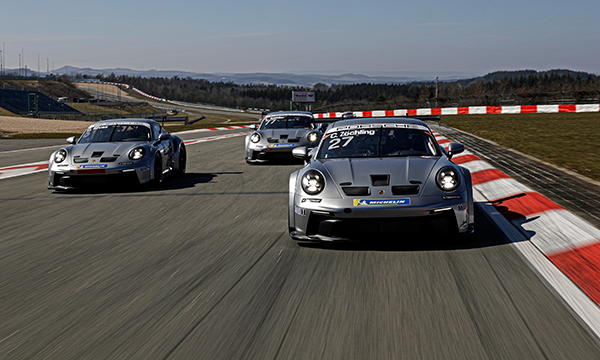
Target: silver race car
(137,151)
(279,133)
(379,178)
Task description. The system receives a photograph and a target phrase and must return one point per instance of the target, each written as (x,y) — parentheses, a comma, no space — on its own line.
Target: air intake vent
(79,160)
(356,190)
(405,189)
(97,153)
(380,180)
(108,159)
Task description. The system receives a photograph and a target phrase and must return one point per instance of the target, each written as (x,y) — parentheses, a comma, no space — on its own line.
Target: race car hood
(401,170)
(291,133)
(102,149)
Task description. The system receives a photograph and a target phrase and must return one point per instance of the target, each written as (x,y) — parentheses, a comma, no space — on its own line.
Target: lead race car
(117,151)
(379,178)
(279,133)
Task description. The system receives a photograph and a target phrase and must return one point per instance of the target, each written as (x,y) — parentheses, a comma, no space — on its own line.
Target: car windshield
(286,122)
(115,133)
(378,142)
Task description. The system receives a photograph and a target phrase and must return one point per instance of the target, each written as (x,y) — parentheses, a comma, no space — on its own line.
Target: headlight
(448,179)
(137,153)
(313,182)
(60,156)
(255,137)
(313,136)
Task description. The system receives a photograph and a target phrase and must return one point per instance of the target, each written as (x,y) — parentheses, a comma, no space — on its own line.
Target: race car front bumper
(72,178)
(273,152)
(342,220)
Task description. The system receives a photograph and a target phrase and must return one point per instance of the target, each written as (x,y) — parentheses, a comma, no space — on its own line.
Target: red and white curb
(26,169)
(569,242)
(214,129)
(472,110)
(213,138)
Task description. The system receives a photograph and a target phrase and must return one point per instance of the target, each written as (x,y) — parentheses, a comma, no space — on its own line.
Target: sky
(393,37)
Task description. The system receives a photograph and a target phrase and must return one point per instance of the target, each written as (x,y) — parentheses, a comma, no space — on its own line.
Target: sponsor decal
(381,202)
(298,210)
(312,200)
(452,197)
(120,123)
(463,207)
(282,145)
(92,166)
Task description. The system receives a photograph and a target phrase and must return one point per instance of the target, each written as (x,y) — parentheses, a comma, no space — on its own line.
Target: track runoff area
(564,248)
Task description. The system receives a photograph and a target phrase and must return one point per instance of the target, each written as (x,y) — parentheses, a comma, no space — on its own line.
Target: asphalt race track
(203,268)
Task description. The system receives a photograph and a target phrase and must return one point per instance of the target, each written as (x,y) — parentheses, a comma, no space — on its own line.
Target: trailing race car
(279,133)
(379,178)
(138,151)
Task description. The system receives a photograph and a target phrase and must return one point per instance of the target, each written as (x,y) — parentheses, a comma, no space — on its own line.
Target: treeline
(499,88)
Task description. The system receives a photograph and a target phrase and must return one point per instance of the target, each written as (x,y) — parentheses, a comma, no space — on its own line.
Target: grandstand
(17,102)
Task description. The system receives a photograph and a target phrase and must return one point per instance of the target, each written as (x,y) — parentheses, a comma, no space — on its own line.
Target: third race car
(279,133)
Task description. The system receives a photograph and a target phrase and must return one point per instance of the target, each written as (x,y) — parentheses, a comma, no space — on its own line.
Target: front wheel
(157,172)
(467,237)
(182,163)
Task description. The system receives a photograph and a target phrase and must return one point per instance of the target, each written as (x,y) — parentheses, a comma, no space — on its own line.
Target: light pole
(436,91)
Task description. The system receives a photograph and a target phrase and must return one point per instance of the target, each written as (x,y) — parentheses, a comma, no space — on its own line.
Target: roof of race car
(146,122)
(368,122)
(290,113)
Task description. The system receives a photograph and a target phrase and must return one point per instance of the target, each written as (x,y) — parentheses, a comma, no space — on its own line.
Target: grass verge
(568,140)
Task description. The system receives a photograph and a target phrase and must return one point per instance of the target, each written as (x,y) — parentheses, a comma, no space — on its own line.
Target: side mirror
(72,139)
(161,138)
(301,152)
(455,148)
(253,126)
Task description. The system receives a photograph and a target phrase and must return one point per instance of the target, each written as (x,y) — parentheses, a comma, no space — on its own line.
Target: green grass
(568,140)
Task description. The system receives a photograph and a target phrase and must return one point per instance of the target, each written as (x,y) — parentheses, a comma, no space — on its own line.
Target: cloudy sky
(471,37)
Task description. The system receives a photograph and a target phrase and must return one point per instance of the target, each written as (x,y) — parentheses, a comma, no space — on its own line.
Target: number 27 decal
(335,143)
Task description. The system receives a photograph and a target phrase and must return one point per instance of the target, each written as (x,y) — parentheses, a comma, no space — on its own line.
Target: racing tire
(157,172)
(467,238)
(182,161)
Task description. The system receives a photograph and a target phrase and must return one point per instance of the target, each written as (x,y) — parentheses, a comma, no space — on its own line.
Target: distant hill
(286,79)
(499,75)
